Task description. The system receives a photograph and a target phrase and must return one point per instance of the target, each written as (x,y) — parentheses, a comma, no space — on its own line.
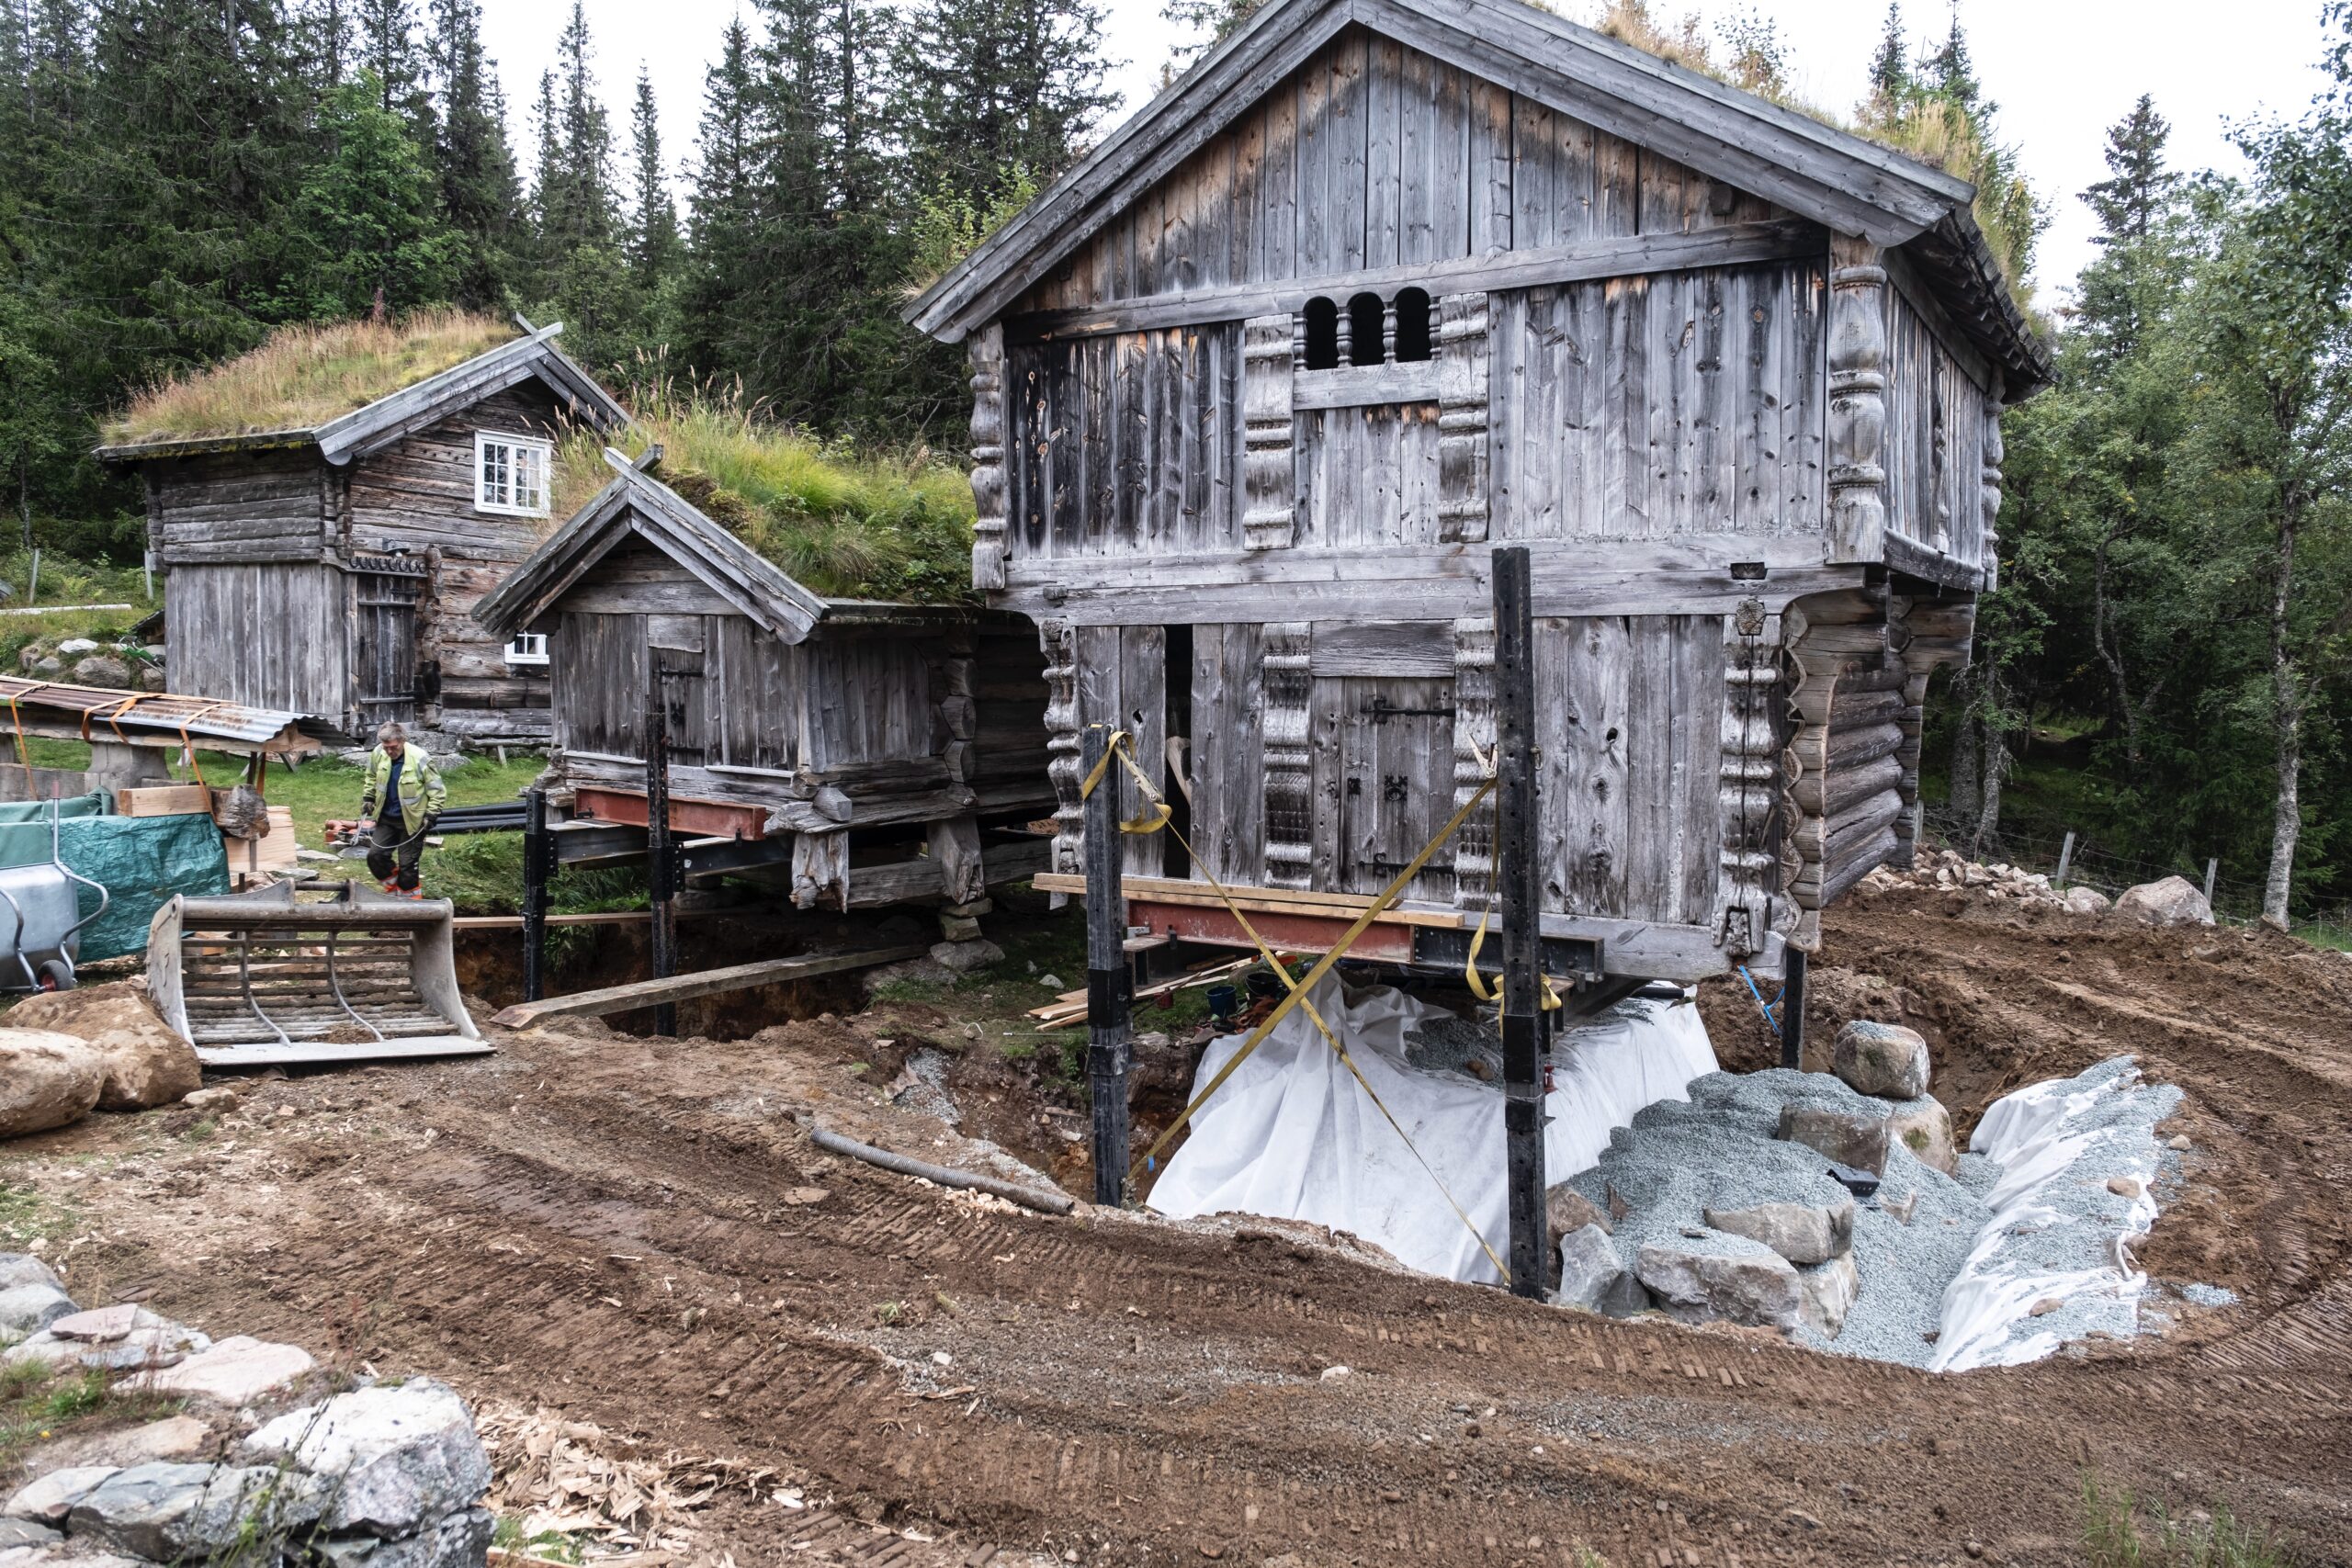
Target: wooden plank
(1396,649)
(1369,386)
(1610,255)
(163,800)
(708,983)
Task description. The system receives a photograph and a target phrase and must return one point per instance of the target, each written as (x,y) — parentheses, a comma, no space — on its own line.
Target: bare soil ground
(636,1233)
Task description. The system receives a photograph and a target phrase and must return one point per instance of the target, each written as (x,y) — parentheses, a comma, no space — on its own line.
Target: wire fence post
(1519,881)
(537,857)
(2065,859)
(1110,984)
(662,883)
(2212,864)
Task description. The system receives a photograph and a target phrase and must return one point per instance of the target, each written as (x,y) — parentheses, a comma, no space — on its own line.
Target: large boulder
(31,1297)
(1756,1288)
(1828,1292)
(1802,1233)
(2175,901)
(1588,1268)
(46,1499)
(46,1080)
(1882,1059)
(146,1064)
(1924,1127)
(399,1458)
(1565,1210)
(237,1370)
(172,1513)
(101,669)
(2087,901)
(1850,1137)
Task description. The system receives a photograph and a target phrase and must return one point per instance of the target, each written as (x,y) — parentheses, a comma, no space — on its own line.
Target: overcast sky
(2062,71)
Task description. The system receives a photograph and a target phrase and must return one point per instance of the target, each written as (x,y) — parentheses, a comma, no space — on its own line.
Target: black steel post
(1109,987)
(539,856)
(1519,880)
(1792,1010)
(661,869)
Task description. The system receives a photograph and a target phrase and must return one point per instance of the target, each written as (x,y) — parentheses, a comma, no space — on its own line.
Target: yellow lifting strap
(1158,814)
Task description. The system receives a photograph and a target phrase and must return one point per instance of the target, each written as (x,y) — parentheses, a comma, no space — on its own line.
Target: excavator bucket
(264,977)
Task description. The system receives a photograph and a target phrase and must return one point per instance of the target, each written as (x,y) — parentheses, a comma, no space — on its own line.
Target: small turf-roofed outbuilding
(326,509)
(886,751)
(1382,284)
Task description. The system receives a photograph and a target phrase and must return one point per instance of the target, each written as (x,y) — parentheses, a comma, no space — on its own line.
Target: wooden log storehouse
(1382,284)
(884,752)
(322,547)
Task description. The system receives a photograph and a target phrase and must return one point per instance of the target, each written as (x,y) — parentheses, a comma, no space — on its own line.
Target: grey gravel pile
(1449,1044)
(1717,1151)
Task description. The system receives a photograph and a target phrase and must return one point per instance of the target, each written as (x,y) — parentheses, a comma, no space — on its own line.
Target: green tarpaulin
(139,861)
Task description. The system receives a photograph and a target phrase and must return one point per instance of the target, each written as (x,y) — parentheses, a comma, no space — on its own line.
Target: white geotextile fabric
(2055,1142)
(1292,1134)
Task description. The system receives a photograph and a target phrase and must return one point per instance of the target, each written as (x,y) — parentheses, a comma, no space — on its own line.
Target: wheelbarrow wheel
(56,975)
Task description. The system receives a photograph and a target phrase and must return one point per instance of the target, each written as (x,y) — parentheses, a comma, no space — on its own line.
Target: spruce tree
(389,51)
(479,193)
(992,90)
(581,276)
(1891,65)
(369,239)
(722,206)
(654,227)
(1951,70)
(2138,187)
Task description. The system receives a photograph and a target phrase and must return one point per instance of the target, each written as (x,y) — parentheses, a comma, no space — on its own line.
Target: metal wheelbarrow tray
(262,978)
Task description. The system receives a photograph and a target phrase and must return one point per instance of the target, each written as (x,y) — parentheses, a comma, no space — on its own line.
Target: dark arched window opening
(1364,334)
(1412,325)
(1322,334)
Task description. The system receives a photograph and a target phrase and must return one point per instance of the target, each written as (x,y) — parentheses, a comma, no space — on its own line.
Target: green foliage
(841,523)
(949,224)
(365,226)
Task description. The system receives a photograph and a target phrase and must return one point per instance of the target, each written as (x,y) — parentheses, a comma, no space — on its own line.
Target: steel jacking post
(1109,984)
(660,867)
(1519,882)
(539,857)
(1792,1010)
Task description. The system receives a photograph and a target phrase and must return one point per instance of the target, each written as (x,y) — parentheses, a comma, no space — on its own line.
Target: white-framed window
(511,473)
(528,648)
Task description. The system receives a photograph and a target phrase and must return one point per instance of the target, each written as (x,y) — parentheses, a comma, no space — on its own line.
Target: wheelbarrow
(43,905)
(267,977)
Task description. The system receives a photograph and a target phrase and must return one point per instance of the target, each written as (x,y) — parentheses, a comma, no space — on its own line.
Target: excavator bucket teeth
(265,978)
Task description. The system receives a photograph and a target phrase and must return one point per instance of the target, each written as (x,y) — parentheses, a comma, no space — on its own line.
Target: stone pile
(84,661)
(384,1476)
(1763,1199)
(2171,901)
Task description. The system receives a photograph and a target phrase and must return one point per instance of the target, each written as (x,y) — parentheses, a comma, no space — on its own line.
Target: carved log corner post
(1060,640)
(1747,802)
(1474,756)
(1924,634)
(989,490)
(1857,402)
(1838,791)
(1288,687)
(1463,388)
(1996,453)
(1268,475)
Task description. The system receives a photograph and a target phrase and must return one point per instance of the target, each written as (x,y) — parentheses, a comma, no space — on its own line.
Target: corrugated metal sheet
(101,711)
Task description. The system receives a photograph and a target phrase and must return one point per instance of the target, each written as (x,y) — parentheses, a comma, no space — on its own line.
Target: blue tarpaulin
(139,861)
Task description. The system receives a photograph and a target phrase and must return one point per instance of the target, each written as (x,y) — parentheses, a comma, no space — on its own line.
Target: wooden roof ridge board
(636,503)
(375,425)
(1817,171)
(149,717)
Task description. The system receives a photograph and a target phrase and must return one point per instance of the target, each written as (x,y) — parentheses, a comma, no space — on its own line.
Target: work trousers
(393,854)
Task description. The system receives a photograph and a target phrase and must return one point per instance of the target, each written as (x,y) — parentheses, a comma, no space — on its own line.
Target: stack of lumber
(1070,1008)
(250,859)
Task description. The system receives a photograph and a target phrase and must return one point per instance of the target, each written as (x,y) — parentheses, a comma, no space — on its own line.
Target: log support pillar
(1792,1010)
(661,861)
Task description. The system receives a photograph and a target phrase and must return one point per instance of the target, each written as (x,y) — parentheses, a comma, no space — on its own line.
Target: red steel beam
(1383,941)
(705,819)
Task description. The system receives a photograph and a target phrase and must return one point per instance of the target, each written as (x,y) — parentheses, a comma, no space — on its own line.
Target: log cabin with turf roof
(1381,285)
(860,728)
(326,509)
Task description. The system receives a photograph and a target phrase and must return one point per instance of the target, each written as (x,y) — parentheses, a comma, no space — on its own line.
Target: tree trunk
(2287,719)
(1988,815)
(2102,635)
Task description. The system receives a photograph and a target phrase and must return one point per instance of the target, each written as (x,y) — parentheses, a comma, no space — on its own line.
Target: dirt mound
(633,1233)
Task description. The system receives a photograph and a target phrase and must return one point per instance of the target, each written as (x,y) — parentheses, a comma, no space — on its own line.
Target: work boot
(392,887)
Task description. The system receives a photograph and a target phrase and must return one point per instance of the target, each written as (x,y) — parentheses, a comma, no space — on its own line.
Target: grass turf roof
(845,525)
(302,377)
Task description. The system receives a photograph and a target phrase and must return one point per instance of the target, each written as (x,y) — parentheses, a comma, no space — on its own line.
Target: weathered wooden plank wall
(1935,439)
(241,506)
(1375,154)
(293,656)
